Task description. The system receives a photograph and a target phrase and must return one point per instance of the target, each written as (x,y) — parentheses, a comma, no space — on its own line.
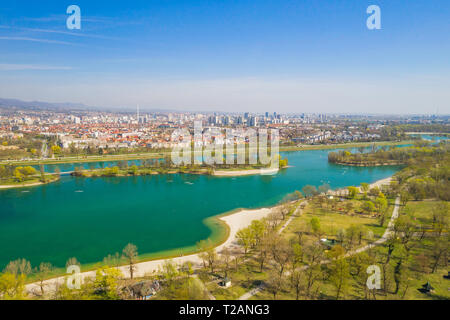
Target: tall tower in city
(137,113)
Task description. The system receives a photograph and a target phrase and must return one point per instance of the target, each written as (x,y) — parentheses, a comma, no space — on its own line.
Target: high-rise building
(253,121)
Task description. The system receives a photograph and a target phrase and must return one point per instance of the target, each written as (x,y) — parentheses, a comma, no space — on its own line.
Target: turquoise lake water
(91,218)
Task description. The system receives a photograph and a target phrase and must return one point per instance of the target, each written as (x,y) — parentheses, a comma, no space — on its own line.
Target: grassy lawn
(248,275)
(332,222)
(421,210)
(415,273)
(244,279)
(327,291)
(182,289)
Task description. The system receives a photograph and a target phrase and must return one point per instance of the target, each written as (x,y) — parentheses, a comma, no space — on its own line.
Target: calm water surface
(91,218)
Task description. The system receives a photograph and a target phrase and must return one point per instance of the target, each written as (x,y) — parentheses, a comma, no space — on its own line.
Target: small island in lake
(155,166)
(385,157)
(21,177)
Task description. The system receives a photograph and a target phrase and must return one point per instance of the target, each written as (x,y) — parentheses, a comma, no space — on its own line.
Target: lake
(91,218)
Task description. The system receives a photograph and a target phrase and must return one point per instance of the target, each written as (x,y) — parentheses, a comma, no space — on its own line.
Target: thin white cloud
(98,20)
(61,17)
(21,67)
(36,40)
(59,32)
(50,18)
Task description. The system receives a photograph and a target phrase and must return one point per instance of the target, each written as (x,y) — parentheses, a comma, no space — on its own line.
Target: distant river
(91,218)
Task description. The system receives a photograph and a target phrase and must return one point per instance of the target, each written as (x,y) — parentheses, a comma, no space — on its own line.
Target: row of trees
(397,155)
(20,174)
(306,269)
(106,284)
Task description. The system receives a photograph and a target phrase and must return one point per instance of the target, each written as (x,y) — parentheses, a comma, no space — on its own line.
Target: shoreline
(381,182)
(238,173)
(428,133)
(233,220)
(378,183)
(34,184)
(218,173)
(161,154)
(369,164)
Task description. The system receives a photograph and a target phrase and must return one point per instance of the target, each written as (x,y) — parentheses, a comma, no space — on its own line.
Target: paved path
(383,239)
(252,292)
(293,215)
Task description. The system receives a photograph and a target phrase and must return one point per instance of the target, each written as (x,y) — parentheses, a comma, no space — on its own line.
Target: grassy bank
(159,154)
(13,183)
(345,145)
(369,163)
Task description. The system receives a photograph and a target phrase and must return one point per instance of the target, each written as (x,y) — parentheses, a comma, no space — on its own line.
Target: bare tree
(72,262)
(226,259)
(296,278)
(275,284)
(245,239)
(281,253)
(130,254)
(211,255)
(314,254)
(340,276)
(18,267)
(440,218)
(112,260)
(42,274)
(439,253)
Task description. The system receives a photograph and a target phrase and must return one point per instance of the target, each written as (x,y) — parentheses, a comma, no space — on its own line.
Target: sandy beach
(34,184)
(235,221)
(380,183)
(21,185)
(236,173)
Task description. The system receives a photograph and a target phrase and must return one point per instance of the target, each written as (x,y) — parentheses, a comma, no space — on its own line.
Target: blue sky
(285,56)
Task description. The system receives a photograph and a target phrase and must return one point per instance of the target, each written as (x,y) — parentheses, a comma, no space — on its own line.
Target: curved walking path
(383,239)
(259,288)
(293,215)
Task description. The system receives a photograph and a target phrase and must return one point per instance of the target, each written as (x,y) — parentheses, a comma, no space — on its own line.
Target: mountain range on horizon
(73,106)
(65,106)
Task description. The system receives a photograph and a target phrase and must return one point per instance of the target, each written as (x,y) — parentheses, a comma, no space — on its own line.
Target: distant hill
(69,106)
(39,105)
